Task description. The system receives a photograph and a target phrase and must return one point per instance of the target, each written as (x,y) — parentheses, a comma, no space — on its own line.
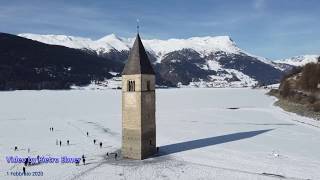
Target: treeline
(310,77)
(305,79)
(302,85)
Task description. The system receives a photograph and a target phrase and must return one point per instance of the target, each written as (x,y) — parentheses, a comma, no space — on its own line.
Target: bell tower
(138,105)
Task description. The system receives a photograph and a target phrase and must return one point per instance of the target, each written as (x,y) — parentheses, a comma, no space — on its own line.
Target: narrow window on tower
(148,86)
(131,85)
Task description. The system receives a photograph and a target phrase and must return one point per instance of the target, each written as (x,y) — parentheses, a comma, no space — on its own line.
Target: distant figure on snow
(115,156)
(24,170)
(100,144)
(60,143)
(87,133)
(107,154)
(26,162)
(16,148)
(67,142)
(94,141)
(84,161)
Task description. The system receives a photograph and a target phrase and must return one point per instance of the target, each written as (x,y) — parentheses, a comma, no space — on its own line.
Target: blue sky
(270,28)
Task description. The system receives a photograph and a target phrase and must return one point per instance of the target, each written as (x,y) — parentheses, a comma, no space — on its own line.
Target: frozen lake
(202,134)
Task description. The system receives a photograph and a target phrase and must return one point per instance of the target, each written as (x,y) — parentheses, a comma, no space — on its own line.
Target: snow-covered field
(199,136)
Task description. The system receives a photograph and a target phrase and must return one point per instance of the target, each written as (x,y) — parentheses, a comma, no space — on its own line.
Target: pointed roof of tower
(138,62)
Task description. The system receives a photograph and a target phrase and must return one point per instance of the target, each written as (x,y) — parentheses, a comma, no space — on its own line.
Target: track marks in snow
(306,123)
(244,171)
(104,129)
(173,168)
(86,171)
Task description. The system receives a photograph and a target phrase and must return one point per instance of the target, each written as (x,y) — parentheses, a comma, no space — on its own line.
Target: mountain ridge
(299,60)
(27,64)
(210,61)
(203,45)
(161,46)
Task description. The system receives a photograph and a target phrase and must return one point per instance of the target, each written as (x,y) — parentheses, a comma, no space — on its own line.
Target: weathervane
(138,26)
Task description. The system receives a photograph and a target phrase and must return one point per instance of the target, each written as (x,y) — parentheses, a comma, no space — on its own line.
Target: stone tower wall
(138,117)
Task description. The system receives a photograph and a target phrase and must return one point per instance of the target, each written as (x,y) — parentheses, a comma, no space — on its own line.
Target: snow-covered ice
(202,133)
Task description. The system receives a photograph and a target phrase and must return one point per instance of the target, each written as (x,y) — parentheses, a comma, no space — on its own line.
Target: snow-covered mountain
(194,62)
(103,45)
(203,45)
(299,60)
(28,64)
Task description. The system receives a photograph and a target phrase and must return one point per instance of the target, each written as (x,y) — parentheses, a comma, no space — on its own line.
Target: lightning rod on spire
(138,26)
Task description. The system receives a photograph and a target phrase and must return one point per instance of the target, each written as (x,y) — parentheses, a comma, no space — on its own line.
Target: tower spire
(138,61)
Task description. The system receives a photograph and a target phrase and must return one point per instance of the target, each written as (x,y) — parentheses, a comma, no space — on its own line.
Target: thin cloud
(259,4)
(253,24)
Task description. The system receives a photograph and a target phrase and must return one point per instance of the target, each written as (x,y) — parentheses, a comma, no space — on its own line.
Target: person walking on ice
(26,162)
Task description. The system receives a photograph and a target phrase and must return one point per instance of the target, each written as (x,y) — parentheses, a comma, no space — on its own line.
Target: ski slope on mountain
(202,134)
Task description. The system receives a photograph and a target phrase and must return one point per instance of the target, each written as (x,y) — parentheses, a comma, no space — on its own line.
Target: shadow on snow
(199,143)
